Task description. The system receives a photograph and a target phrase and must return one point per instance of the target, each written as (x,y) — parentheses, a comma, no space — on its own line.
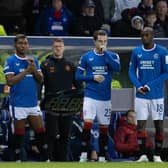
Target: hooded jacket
(125,138)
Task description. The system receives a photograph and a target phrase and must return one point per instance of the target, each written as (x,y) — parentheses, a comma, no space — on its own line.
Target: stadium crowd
(83,17)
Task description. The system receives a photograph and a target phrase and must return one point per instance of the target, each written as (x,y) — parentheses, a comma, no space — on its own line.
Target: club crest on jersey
(67,68)
(156,56)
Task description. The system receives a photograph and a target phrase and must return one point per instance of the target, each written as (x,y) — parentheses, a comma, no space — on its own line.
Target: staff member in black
(58,75)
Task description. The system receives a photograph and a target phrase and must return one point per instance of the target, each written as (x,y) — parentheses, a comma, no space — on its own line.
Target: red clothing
(125,138)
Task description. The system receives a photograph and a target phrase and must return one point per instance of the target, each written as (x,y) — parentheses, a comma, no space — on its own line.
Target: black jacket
(59,74)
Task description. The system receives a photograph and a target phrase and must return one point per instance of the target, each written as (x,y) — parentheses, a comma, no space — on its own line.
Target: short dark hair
(129,111)
(148,29)
(19,36)
(150,12)
(59,40)
(99,32)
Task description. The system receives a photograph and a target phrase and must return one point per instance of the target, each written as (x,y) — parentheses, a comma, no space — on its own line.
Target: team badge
(156,56)
(67,68)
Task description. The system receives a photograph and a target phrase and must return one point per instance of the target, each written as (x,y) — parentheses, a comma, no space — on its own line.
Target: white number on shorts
(107,113)
(160,108)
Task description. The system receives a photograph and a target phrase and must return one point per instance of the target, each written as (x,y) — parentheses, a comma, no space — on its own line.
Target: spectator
(150,61)
(117,28)
(54,21)
(32,10)
(12,16)
(58,76)
(125,136)
(22,74)
(162,15)
(87,22)
(137,25)
(95,68)
(145,6)
(151,21)
(75,6)
(108,8)
(120,6)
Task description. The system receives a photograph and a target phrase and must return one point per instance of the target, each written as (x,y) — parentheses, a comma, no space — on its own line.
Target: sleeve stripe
(81,68)
(9,73)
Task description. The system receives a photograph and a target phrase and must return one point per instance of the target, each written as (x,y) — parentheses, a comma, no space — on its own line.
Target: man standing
(95,68)
(148,70)
(22,74)
(59,75)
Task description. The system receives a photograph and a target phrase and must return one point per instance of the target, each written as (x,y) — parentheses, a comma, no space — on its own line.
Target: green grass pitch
(82,165)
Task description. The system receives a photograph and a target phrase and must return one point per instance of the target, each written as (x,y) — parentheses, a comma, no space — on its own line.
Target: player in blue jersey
(95,69)
(148,70)
(23,74)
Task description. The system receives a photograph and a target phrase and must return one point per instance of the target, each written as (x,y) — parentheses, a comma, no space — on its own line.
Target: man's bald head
(148,29)
(147,35)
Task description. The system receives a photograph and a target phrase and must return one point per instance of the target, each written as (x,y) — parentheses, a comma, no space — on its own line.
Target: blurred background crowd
(120,18)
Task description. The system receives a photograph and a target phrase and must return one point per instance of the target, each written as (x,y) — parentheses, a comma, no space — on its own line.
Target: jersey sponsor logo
(100,70)
(147,64)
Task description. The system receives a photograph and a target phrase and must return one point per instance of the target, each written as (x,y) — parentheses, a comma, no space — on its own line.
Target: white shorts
(23,112)
(97,109)
(145,108)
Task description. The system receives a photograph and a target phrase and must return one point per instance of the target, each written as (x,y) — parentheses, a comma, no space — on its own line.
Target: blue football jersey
(24,93)
(92,64)
(149,67)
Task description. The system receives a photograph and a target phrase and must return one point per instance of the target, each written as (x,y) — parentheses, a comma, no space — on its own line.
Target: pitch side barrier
(122,99)
(117,42)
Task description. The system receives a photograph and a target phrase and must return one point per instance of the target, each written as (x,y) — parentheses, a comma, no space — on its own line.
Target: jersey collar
(154,46)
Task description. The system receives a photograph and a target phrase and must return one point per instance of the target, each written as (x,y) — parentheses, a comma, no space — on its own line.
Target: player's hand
(141,91)
(145,89)
(103,48)
(99,78)
(31,65)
